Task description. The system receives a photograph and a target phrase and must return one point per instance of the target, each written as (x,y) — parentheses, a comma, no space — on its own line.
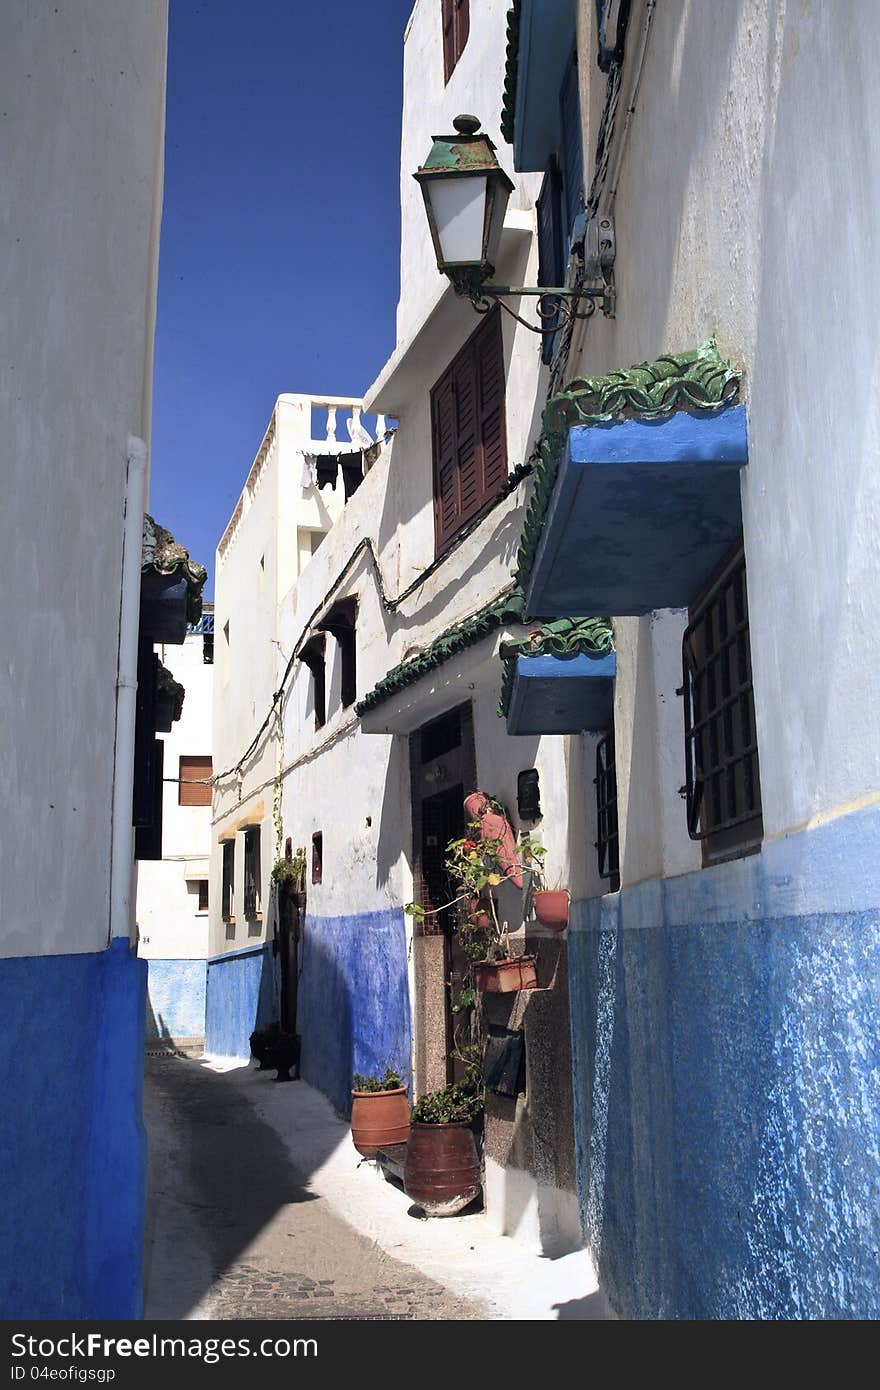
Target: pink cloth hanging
(495,826)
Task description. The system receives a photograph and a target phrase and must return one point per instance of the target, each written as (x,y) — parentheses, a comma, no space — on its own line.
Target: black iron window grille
(722,787)
(608,841)
(252,872)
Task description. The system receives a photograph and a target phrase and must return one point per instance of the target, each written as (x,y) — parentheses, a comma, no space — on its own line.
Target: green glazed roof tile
(564,638)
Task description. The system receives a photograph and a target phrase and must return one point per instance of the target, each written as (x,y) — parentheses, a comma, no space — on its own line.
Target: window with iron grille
(607,838)
(228,898)
(252,872)
(722,787)
(456,20)
(469,436)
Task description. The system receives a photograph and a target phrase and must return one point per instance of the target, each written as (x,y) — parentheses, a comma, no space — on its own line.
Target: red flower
(470,844)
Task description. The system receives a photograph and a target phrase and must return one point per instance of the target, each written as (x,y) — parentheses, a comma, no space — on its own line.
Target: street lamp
(466,194)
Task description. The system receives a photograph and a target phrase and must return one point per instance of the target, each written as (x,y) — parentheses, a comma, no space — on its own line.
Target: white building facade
(83,103)
(173,892)
(718,500)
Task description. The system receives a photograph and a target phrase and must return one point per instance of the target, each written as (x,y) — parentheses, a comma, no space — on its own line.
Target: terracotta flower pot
(379,1119)
(506,976)
(442,1171)
(551,908)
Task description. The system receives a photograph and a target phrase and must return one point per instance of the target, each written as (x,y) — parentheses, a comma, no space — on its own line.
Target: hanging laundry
(327,467)
(310,471)
(352,473)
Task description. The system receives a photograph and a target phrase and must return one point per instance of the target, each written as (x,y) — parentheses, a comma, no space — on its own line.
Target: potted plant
(442,1170)
(550,904)
(479,863)
(379,1111)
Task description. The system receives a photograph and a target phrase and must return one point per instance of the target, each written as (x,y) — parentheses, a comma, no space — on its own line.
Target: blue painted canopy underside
(641,514)
(559,695)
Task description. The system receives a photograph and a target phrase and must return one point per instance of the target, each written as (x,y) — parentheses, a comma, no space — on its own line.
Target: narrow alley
(235,1230)
(259,1207)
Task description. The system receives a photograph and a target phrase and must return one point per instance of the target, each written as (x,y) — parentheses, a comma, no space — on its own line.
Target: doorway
(443,772)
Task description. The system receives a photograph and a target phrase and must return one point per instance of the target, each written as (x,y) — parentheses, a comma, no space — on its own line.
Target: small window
(722,785)
(313,656)
(528,794)
(456,20)
(193,788)
(203,894)
(208,648)
(469,439)
(252,873)
(227,908)
(317,856)
(341,623)
(608,840)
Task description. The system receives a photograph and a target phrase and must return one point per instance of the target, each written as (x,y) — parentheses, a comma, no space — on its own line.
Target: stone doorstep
(390,1161)
(187,1047)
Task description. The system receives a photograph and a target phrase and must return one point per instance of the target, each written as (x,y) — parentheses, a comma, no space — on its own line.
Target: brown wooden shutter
(469,434)
(448,20)
(194,770)
(462,25)
(446,506)
(490,372)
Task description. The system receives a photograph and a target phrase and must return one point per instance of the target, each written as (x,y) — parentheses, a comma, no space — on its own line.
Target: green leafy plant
(459,1103)
(290,873)
(391,1081)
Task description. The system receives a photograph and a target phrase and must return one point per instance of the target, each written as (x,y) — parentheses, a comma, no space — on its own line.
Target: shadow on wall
(242,994)
(354,1010)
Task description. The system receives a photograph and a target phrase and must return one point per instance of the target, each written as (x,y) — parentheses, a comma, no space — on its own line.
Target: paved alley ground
(259,1207)
(234,1231)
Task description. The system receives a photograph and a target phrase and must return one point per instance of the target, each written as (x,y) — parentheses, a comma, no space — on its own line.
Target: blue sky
(278,264)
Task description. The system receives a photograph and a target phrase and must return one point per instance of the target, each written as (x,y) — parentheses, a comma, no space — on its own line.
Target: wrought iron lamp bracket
(556,306)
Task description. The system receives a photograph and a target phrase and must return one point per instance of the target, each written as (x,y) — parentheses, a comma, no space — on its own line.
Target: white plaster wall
(82,119)
(256,564)
(170,925)
(747,210)
(475,87)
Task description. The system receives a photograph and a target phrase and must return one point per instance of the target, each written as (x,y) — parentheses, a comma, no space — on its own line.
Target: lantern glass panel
(459,206)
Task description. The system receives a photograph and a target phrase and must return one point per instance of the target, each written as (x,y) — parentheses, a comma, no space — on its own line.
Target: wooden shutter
(572,150)
(456,21)
(469,432)
(462,25)
(192,789)
(493,435)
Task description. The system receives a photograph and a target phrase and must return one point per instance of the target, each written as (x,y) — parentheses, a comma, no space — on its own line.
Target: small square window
(194,775)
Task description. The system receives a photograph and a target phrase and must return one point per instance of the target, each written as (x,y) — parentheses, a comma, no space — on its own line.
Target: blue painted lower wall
(71,1135)
(354,1010)
(241,995)
(726,1040)
(176,998)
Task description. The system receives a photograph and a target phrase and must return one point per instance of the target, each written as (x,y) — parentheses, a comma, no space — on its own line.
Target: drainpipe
(122,840)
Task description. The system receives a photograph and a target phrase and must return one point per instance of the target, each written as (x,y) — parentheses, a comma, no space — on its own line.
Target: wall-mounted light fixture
(466,194)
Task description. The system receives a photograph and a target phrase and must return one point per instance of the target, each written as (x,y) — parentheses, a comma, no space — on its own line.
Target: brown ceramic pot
(551,908)
(506,976)
(379,1119)
(442,1171)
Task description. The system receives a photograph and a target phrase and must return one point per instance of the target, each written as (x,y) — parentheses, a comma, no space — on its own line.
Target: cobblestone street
(234,1231)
